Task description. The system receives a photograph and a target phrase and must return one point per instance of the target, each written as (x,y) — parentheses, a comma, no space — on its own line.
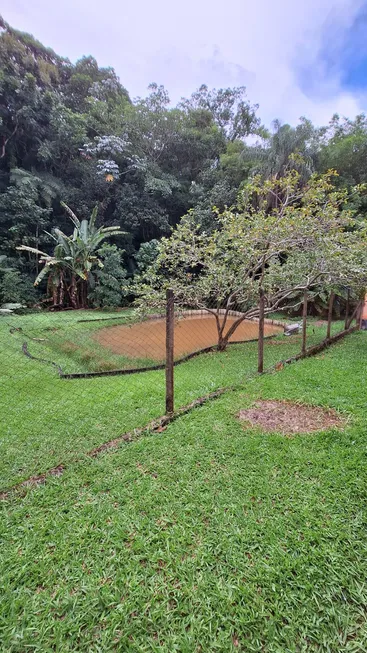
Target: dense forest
(70,134)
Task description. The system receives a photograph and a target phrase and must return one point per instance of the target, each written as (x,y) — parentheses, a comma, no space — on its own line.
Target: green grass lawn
(205,537)
(45,421)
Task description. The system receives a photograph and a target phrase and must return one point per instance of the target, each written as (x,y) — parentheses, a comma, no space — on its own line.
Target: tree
(24,212)
(70,131)
(306,239)
(230,108)
(28,72)
(146,255)
(344,148)
(69,267)
(14,288)
(88,83)
(73,126)
(298,145)
(110,285)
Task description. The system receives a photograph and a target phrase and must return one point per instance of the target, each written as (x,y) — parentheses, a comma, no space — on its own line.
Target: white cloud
(261,45)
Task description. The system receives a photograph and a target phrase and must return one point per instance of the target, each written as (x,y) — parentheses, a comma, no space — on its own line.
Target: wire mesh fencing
(73,380)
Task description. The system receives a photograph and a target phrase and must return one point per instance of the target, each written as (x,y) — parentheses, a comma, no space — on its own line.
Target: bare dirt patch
(290,418)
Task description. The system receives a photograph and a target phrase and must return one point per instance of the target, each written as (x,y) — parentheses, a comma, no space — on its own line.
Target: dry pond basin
(147,339)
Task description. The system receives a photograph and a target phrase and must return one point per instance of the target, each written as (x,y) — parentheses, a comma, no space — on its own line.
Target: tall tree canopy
(70,132)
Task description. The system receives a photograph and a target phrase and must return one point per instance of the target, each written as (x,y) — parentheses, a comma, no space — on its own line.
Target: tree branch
(6,141)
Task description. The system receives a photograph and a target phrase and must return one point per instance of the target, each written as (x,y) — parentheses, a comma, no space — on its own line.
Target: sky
(296,57)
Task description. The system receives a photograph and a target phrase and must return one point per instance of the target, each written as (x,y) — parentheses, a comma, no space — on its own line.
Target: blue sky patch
(341,59)
(353,60)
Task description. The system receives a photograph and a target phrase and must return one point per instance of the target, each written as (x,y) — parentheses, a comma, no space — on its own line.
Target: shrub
(16,288)
(110,283)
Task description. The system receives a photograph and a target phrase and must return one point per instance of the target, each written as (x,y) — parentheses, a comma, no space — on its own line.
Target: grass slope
(206,537)
(45,420)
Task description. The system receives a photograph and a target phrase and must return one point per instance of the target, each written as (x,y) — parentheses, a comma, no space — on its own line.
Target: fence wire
(72,380)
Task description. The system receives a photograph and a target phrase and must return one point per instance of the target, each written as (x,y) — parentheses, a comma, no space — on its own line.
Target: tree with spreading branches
(306,238)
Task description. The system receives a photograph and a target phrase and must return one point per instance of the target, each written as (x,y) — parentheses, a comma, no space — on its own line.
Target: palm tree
(287,141)
(69,267)
(273,157)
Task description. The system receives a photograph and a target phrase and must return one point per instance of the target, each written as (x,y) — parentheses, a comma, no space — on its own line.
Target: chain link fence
(71,381)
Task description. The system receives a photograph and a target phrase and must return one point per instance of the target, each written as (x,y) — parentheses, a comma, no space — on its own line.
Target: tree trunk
(83,293)
(222,343)
(73,292)
(37,247)
(223,340)
(52,290)
(62,290)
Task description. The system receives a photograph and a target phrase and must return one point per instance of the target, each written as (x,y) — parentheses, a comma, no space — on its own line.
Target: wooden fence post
(330,315)
(347,309)
(359,314)
(260,351)
(304,323)
(170,324)
(352,316)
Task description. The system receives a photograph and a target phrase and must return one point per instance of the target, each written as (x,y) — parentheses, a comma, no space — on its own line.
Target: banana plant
(73,258)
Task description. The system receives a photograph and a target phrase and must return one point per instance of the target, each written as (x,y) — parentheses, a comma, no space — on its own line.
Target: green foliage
(69,268)
(230,109)
(285,146)
(146,255)
(23,212)
(110,285)
(69,127)
(307,239)
(70,131)
(16,287)
(344,147)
